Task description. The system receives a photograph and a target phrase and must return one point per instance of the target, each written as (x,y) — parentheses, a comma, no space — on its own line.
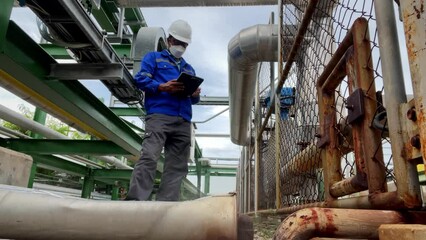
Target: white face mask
(177,50)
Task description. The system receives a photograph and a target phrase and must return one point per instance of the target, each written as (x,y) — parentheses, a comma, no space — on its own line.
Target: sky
(213,28)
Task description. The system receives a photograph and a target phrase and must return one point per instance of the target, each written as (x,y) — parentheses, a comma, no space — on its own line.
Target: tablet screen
(190,82)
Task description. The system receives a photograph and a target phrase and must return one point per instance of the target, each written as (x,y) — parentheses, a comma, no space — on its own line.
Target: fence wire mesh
(292,134)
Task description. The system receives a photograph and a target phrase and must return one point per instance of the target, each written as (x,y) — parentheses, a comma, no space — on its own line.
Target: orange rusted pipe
(328,222)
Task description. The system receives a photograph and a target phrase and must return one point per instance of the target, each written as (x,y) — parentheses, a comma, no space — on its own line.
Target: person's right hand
(172,86)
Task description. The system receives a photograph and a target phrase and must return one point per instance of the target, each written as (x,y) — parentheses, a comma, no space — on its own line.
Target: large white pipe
(245,50)
(27,214)
(18,119)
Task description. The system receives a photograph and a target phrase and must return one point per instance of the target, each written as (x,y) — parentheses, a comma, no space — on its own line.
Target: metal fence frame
(339,161)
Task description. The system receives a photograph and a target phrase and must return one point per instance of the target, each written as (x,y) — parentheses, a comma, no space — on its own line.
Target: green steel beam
(5,12)
(214,169)
(122,50)
(58,52)
(116,174)
(64,147)
(127,112)
(103,18)
(24,66)
(216,174)
(60,165)
(134,127)
(135,15)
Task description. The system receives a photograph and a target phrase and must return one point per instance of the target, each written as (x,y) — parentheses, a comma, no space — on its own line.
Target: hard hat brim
(182,39)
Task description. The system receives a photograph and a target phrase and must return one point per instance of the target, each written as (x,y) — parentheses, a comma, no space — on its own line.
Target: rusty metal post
(405,172)
(328,141)
(328,222)
(327,117)
(414,17)
(366,137)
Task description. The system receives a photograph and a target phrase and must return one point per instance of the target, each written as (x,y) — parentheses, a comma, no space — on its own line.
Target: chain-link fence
(325,140)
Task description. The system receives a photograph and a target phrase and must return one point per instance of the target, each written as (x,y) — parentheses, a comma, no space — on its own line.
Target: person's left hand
(196,93)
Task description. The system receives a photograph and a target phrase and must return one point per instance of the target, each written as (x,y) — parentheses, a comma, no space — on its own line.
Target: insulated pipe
(328,222)
(30,214)
(245,50)
(29,124)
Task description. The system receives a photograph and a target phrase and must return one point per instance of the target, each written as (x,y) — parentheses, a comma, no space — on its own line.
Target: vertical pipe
(207,181)
(257,116)
(405,171)
(239,188)
(243,176)
(121,24)
(249,179)
(198,169)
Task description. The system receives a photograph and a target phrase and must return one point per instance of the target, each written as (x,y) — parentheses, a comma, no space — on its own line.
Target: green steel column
(88,185)
(5,12)
(40,117)
(114,192)
(198,169)
(32,175)
(207,181)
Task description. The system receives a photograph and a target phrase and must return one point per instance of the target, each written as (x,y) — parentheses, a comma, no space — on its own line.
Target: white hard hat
(181,30)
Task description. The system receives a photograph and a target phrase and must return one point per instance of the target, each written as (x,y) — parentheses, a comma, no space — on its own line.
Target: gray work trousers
(174,134)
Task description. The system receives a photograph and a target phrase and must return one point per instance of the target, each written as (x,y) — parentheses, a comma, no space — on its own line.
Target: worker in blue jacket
(168,119)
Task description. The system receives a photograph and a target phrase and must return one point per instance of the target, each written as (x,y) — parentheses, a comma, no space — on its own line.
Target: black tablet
(190,82)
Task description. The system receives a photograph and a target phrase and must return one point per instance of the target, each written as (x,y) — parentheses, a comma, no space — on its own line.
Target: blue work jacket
(158,68)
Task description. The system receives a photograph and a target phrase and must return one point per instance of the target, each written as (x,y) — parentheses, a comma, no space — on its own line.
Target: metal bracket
(355,106)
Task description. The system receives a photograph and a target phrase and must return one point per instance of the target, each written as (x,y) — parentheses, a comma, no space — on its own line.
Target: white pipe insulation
(30,214)
(245,50)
